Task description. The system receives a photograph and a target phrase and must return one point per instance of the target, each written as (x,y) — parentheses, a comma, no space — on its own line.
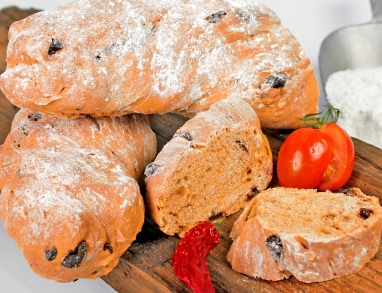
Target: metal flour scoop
(358,46)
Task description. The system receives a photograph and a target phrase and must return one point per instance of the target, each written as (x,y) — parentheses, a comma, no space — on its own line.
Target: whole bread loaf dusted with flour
(211,168)
(69,195)
(154,56)
(312,236)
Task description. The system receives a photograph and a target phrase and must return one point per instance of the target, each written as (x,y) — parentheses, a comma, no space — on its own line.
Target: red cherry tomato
(320,158)
(342,163)
(303,158)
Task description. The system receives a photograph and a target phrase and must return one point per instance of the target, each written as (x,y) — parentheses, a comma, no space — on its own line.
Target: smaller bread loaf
(69,195)
(211,168)
(314,236)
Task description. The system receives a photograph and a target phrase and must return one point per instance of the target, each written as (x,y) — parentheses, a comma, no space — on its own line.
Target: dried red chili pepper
(189,258)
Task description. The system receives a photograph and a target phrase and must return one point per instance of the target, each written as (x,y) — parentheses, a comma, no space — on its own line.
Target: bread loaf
(123,56)
(312,236)
(211,168)
(9,15)
(69,195)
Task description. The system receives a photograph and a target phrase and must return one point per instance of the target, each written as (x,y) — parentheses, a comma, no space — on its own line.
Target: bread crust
(210,169)
(69,195)
(310,258)
(110,59)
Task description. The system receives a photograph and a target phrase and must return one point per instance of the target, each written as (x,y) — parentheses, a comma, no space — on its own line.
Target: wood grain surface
(146,266)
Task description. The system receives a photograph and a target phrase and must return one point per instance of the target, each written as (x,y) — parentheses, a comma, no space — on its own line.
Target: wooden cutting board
(146,266)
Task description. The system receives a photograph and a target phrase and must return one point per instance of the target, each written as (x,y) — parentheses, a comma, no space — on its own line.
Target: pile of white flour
(358,95)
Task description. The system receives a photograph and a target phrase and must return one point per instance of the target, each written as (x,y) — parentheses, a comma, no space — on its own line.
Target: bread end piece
(314,236)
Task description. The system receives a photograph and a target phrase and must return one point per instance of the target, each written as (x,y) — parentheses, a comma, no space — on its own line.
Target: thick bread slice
(314,236)
(151,56)
(211,168)
(69,195)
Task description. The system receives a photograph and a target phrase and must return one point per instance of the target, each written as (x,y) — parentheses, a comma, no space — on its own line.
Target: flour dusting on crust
(65,182)
(156,57)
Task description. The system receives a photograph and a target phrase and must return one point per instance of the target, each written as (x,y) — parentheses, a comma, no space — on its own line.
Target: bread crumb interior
(210,179)
(313,216)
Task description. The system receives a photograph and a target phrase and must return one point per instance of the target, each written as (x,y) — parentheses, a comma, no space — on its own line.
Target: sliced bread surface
(211,168)
(314,236)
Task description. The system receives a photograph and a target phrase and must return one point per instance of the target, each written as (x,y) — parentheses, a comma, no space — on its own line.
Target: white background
(310,21)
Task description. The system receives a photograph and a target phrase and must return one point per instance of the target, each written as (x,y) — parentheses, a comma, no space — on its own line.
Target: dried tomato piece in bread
(109,59)
(69,195)
(211,168)
(314,236)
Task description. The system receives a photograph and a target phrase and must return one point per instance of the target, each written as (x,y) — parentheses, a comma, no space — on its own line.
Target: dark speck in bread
(55,46)
(74,258)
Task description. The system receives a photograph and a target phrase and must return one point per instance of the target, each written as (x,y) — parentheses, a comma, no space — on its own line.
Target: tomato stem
(315,121)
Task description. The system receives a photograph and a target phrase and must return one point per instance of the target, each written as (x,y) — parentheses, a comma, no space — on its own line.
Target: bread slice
(211,168)
(314,236)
